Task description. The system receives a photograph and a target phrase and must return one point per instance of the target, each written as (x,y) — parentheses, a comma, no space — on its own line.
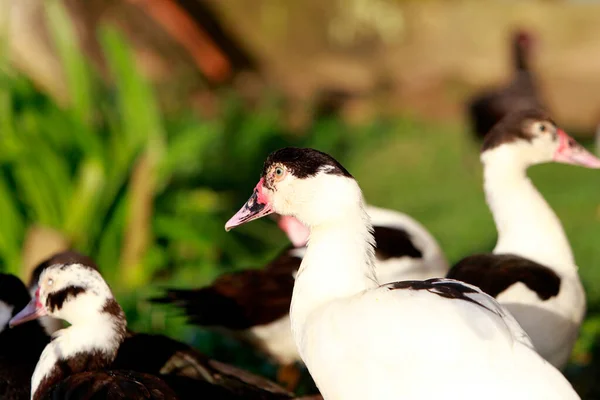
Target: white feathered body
(405,344)
(528,227)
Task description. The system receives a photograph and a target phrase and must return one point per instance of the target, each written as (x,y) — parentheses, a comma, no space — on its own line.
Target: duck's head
(49,323)
(304,183)
(73,292)
(524,39)
(530,137)
(13,297)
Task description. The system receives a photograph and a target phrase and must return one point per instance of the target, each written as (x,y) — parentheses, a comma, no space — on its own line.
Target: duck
(253,304)
(363,340)
(489,107)
(169,357)
(20,348)
(76,363)
(531,270)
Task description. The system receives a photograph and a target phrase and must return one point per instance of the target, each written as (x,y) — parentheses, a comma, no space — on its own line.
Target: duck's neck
(526,224)
(91,346)
(521,57)
(339,262)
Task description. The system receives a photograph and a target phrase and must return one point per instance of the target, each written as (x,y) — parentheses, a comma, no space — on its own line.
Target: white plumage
(276,338)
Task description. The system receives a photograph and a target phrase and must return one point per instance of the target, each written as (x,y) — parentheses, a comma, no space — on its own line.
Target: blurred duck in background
(254,305)
(531,271)
(20,347)
(488,108)
(163,356)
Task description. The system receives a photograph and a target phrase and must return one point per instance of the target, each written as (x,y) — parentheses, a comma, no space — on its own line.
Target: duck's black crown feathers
(305,162)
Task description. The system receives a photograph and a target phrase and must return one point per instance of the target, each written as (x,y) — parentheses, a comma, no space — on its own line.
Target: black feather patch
(488,108)
(394,243)
(94,385)
(81,362)
(57,299)
(13,292)
(113,308)
(242,299)
(21,346)
(305,163)
(442,287)
(174,358)
(494,273)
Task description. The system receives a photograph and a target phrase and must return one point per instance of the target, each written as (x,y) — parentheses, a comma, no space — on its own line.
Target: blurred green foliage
(110,167)
(70,167)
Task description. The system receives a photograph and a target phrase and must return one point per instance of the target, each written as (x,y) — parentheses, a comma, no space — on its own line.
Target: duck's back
(111,385)
(444,335)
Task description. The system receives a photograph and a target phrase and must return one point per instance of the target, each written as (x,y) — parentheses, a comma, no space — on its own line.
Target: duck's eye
(279,173)
(541,127)
(50,282)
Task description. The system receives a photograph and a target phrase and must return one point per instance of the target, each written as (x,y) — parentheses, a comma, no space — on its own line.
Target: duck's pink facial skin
(294,229)
(33,310)
(257,206)
(571,152)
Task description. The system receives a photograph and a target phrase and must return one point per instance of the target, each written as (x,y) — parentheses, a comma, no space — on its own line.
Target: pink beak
(257,206)
(33,310)
(571,152)
(295,230)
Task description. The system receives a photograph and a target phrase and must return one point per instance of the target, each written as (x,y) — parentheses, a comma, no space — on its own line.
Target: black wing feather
(494,273)
(242,299)
(176,359)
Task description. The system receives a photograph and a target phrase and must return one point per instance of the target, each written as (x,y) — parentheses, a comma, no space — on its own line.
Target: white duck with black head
(532,270)
(360,340)
(80,354)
